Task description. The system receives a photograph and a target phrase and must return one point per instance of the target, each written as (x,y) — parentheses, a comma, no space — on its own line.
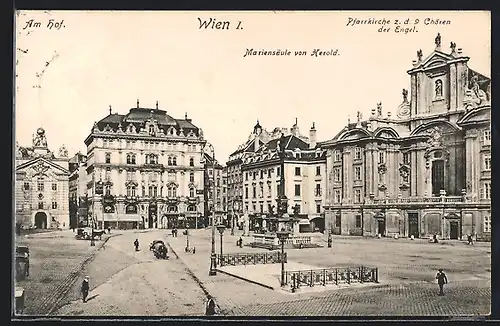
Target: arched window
(191,208)
(133,158)
(172,191)
(174,160)
(129,159)
(191,192)
(169,162)
(191,176)
(172,209)
(153,191)
(191,161)
(108,158)
(439,88)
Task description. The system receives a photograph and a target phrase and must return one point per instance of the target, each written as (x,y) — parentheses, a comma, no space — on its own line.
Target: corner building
(41,186)
(425,171)
(150,167)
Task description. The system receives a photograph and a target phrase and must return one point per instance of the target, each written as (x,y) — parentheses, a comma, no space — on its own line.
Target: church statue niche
(437,40)
(436,138)
(63,151)
(438,87)
(40,140)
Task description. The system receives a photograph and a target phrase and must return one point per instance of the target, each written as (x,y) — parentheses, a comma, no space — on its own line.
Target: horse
(98,234)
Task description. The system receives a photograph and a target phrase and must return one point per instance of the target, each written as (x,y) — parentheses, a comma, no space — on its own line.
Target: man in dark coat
(136,244)
(85,288)
(442,280)
(210,307)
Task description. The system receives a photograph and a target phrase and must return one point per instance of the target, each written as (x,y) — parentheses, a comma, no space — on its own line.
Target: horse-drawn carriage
(159,249)
(22,262)
(83,234)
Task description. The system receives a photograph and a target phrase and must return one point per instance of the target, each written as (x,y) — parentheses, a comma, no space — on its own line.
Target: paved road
(407,270)
(144,286)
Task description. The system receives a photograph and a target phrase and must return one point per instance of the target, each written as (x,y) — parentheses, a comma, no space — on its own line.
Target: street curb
(246,280)
(194,277)
(62,289)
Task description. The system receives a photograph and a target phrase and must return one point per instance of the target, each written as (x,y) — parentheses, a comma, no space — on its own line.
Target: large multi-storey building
(41,187)
(149,166)
(78,200)
(259,163)
(425,171)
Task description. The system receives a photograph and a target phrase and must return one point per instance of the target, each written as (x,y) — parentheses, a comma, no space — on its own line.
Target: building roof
(139,116)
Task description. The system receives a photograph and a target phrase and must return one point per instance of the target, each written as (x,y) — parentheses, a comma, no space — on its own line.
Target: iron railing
(250,258)
(327,276)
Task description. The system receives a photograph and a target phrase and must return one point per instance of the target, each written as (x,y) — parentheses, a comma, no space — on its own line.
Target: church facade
(425,171)
(144,170)
(41,185)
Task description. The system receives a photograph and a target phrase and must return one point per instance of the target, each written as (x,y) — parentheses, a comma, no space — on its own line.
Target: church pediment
(479,115)
(42,167)
(442,126)
(436,58)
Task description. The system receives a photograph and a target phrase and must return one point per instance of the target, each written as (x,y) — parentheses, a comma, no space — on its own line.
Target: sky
(70,76)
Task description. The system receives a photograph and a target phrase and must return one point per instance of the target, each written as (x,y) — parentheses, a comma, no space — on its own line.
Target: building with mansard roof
(257,177)
(214,198)
(41,186)
(149,165)
(424,171)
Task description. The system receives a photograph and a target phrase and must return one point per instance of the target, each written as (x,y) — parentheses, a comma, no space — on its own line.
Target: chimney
(157,105)
(312,137)
(137,103)
(110,110)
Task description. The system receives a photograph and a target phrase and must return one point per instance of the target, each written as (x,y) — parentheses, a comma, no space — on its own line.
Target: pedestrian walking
(194,250)
(469,240)
(211,307)
(442,280)
(136,244)
(85,288)
(109,230)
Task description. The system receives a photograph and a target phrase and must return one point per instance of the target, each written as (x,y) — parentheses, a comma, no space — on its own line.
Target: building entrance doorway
(381,226)
(41,220)
(454,230)
(413,225)
(152,218)
(437,177)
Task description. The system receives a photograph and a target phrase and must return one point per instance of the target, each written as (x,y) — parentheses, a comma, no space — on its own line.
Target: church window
(40,205)
(191,192)
(54,205)
(357,153)
(26,186)
(40,186)
(191,176)
(487,162)
(54,186)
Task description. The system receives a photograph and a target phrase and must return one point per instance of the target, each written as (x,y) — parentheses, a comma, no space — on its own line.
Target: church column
(414,92)
(414,176)
(374,154)
(453,87)
(422,99)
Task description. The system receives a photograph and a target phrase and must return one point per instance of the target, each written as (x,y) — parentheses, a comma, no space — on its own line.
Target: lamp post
(213,262)
(235,208)
(282,236)
(221,228)
(187,236)
(92,242)
(282,200)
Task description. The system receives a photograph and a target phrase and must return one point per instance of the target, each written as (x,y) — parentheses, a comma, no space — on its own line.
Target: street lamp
(187,236)
(282,236)
(221,228)
(235,208)
(213,262)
